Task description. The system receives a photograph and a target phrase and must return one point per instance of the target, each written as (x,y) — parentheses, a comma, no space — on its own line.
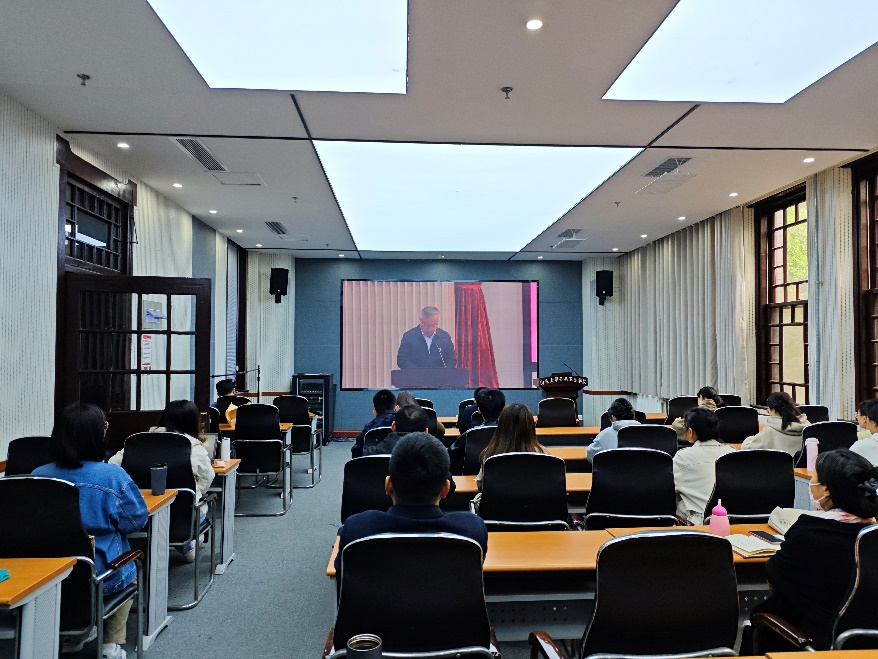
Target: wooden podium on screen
(430,378)
(563,385)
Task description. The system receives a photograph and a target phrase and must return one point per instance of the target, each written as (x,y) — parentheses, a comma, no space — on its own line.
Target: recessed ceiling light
(534,24)
(731,69)
(341,256)
(442,256)
(259,244)
(539,257)
(212,212)
(615,249)
(643,235)
(240,230)
(681,218)
(733,194)
(123,145)
(178,185)
(808,160)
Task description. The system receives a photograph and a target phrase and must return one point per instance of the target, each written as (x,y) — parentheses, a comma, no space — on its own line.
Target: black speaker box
(279,281)
(603,284)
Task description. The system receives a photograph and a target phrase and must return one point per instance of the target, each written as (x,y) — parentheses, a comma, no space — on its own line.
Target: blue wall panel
(318,319)
(204,266)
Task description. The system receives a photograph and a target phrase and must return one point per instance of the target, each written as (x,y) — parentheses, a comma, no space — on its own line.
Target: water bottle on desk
(811,448)
(719,520)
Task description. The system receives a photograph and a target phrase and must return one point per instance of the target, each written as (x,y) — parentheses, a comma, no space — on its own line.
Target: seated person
(621,414)
(110,503)
(434,426)
(867,417)
(182,416)
(384,404)
(225,395)
(516,433)
(783,426)
(709,399)
(812,572)
(417,482)
(465,418)
(695,467)
(490,402)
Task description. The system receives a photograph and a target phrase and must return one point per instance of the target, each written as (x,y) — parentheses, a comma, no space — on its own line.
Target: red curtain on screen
(474,347)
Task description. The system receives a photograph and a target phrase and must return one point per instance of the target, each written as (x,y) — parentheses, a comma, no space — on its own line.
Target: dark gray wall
(204,266)
(318,319)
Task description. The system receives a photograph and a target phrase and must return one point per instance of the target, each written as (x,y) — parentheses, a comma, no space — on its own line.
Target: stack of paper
(750,546)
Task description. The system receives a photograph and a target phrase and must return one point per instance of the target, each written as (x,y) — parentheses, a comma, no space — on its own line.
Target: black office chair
(146,449)
(260,445)
(474,442)
(678,406)
(376,436)
(293,409)
(433,426)
(737,423)
(831,435)
(466,402)
(639,416)
(661,438)
(752,484)
(646,606)
(815,413)
(557,413)
(524,492)
(223,402)
(855,626)
(305,440)
(363,485)
(26,454)
(214,420)
(424,402)
(631,487)
(40,518)
(437,612)
(731,399)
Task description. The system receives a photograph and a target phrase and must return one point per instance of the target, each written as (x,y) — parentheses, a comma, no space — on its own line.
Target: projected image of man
(426,346)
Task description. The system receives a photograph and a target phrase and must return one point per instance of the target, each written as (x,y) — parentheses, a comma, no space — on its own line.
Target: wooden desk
(743,529)
(568,431)
(825,654)
(576,483)
(3,466)
(34,586)
(228,427)
(155,569)
(655,416)
(227,475)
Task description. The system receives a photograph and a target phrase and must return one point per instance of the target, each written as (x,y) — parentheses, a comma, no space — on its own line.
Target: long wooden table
(450,421)
(228,427)
(227,474)
(155,569)
(576,483)
(34,587)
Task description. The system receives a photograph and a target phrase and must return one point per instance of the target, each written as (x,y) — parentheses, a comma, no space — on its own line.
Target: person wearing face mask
(867,417)
(783,426)
(811,573)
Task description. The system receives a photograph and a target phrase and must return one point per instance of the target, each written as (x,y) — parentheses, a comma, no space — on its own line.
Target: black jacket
(413,352)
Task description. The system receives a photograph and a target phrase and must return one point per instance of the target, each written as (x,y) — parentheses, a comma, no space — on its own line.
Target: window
(865,188)
(782,342)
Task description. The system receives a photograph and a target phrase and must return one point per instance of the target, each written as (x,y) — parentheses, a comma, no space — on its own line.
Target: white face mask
(816,503)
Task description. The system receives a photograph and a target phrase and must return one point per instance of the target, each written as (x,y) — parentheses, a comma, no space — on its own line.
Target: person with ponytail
(621,414)
(867,417)
(783,426)
(811,573)
(709,399)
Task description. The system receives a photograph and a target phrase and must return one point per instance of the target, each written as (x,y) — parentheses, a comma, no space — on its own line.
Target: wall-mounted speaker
(603,285)
(278,283)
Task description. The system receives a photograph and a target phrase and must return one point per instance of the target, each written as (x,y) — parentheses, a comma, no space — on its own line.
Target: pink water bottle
(719,520)
(811,445)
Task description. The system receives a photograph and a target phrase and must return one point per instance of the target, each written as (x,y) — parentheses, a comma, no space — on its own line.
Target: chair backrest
(830,435)
(731,399)
(752,483)
(300,438)
(376,435)
(363,485)
(639,416)
(524,487)
(678,406)
(815,413)
(26,454)
(556,413)
(476,439)
(293,409)
(858,610)
(631,482)
(215,418)
(40,518)
(661,438)
(737,423)
(145,449)
(424,402)
(466,402)
(258,421)
(418,593)
(223,402)
(640,583)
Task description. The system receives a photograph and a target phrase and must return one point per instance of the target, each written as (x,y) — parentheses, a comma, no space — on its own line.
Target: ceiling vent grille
(277,228)
(569,239)
(669,165)
(201,153)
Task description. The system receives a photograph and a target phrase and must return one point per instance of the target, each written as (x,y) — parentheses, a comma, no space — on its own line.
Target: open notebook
(750,546)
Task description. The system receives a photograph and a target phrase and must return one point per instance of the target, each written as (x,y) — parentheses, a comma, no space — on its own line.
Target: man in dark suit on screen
(426,346)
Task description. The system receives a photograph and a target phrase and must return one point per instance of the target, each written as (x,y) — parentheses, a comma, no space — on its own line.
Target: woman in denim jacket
(110,503)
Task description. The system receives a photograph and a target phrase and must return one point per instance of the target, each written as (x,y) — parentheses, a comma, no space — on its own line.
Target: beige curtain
(375,315)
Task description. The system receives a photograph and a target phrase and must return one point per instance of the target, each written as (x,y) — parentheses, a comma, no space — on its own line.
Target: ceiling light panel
(292,45)
(746,51)
(424,197)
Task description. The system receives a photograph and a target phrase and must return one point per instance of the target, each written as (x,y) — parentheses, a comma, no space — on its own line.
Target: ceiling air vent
(667,166)
(569,239)
(201,153)
(276,228)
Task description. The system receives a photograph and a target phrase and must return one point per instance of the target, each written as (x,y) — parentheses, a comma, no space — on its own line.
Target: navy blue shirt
(383,420)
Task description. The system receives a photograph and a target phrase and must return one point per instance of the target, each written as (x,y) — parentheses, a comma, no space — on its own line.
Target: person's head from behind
(709,393)
(490,402)
(182,416)
(404,398)
(418,474)
(78,436)
(846,480)
(701,425)
(476,392)
(867,415)
(429,320)
(410,418)
(225,388)
(620,410)
(383,401)
(780,404)
(516,432)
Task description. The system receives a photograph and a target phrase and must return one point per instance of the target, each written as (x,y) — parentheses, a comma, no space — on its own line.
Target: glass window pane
(797,253)
(778,277)
(778,294)
(800,314)
(155,312)
(153,394)
(182,387)
(105,351)
(802,210)
(182,313)
(153,352)
(792,293)
(803,291)
(794,354)
(182,352)
(92,230)
(110,392)
(774,335)
(777,220)
(790,214)
(777,258)
(774,353)
(775,374)
(774,315)
(787,315)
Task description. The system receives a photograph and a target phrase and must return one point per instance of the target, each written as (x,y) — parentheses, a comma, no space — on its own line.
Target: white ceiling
(143,88)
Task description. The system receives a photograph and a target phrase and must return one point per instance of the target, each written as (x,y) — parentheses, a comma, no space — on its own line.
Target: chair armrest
(786,630)
(682,521)
(124,559)
(542,644)
(494,649)
(209,497)
(330,641)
